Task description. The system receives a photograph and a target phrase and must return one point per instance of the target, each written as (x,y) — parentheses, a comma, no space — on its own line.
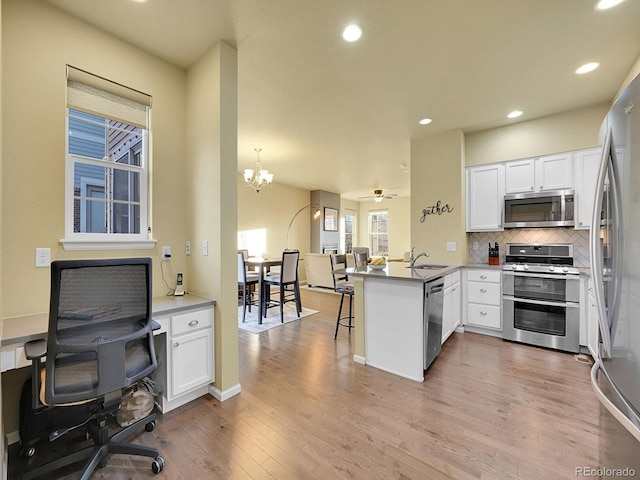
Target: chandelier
(257,178)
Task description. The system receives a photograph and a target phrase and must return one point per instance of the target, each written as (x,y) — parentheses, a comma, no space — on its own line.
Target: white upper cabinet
(485,194)
(550,172)
(587,166)
(554,172)
(520,176)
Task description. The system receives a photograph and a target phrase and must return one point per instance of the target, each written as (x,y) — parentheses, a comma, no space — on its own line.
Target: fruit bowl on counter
(378,263)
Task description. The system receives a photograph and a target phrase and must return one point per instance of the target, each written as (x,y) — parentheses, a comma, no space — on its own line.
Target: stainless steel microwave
(539,209)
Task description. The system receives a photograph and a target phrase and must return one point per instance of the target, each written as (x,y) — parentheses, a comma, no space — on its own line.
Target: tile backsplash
(579,239)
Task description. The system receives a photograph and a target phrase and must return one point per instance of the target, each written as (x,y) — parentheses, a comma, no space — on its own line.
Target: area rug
(273,318)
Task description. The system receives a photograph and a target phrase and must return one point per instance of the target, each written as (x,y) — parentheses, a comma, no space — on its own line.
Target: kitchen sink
(429,266)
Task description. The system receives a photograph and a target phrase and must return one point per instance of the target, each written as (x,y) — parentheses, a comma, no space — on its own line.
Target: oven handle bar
(541,302)
(542,275)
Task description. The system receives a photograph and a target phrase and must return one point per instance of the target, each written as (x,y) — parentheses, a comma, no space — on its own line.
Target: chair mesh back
(100,337)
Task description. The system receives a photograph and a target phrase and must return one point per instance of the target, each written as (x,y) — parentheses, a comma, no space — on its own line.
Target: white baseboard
(228,393)
(359,359)
(483,331)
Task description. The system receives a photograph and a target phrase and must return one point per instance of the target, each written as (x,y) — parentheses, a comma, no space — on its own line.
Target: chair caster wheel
(28,452)
(150,426)
(157,465)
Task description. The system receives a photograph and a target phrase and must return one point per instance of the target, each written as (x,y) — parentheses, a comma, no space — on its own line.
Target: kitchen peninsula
(390,311)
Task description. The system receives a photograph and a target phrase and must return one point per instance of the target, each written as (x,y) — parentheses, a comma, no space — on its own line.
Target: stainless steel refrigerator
(615,267)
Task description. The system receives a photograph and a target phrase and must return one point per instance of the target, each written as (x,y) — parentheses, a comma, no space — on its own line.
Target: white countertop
(33,327)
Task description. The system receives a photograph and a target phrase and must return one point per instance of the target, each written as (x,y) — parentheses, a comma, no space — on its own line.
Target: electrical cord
(170,291)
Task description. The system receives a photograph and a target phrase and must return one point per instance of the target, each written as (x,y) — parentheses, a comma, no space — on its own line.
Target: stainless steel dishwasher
(433,301)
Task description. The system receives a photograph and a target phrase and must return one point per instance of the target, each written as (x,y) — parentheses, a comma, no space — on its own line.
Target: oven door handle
(562,276)
(541,302)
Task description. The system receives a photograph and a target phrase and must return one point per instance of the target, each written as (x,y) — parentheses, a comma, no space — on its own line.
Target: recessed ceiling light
(587,67)
(514,114)
(607,4)
(139,1)
(425,121)
(352,33)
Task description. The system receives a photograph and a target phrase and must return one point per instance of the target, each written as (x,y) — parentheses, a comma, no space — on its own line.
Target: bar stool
(343,286)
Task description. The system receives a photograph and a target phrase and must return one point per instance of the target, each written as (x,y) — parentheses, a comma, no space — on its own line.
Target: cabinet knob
(176,344)
(531,188)
(193,323)
(483,313)
(483,276)
(483,290)
(580,223)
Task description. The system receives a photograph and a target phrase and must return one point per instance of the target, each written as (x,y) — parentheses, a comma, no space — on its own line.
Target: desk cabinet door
(191,361)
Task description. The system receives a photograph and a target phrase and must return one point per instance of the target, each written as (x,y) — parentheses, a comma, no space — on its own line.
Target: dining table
(263,265)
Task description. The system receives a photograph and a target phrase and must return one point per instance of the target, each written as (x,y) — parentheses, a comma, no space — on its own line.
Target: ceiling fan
(378,196)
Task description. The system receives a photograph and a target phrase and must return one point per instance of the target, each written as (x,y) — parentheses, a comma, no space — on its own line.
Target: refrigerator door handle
(596,252)
(630,424)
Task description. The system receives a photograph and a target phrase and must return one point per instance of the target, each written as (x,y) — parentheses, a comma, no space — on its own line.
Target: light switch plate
(452,246)
(205,248)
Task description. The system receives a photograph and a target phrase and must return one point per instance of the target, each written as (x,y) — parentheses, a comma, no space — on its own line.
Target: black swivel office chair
(99,342)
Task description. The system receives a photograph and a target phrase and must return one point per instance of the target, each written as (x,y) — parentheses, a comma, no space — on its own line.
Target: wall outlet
(452,246)
(43,257)
(187,247)
(475,246)
(166,253)
(205,248)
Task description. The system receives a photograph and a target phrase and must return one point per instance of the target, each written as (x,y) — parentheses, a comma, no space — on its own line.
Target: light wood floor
(488,409)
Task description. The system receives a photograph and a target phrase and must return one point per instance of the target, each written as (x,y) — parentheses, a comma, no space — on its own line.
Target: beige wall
(633,73)
(437,174)
(211,199)
(573,130)
(3,453)
(272,209)
(399,224)
(33,111)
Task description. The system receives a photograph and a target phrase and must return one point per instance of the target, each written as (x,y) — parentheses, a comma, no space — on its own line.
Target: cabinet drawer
(486,293)
(451,278)
(484,315)
(479,275)
(191,321)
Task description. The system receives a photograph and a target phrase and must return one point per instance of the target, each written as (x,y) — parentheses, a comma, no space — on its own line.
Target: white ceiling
(339,116)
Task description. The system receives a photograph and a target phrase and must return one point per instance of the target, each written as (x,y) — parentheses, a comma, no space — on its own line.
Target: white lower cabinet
(483,298)
(451,309)
(188,345)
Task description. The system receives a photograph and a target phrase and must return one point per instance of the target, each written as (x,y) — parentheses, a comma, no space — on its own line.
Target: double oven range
(541,296)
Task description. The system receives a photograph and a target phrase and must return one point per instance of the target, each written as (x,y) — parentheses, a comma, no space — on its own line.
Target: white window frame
(106,241)
(370,233)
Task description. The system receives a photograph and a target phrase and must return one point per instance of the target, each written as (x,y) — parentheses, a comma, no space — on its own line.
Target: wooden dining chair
(246,281)
(287,283)
(343,286)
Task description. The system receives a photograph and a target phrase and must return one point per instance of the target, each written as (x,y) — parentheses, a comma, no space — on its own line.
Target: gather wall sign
(437,208)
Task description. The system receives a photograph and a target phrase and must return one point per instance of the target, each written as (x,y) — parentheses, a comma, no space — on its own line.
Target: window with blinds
(107,159)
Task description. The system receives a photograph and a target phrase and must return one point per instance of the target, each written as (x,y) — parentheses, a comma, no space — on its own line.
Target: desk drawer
(486,293)
(191,321)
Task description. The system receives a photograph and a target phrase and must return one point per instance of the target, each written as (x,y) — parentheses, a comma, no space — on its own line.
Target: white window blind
(98,96)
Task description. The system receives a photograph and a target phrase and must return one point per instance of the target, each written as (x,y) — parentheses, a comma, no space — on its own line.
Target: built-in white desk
(184,345)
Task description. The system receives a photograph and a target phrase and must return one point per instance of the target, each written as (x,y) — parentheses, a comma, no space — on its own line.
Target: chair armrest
(35,349)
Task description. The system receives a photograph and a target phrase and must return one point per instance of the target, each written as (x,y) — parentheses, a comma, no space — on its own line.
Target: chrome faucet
(412,259)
